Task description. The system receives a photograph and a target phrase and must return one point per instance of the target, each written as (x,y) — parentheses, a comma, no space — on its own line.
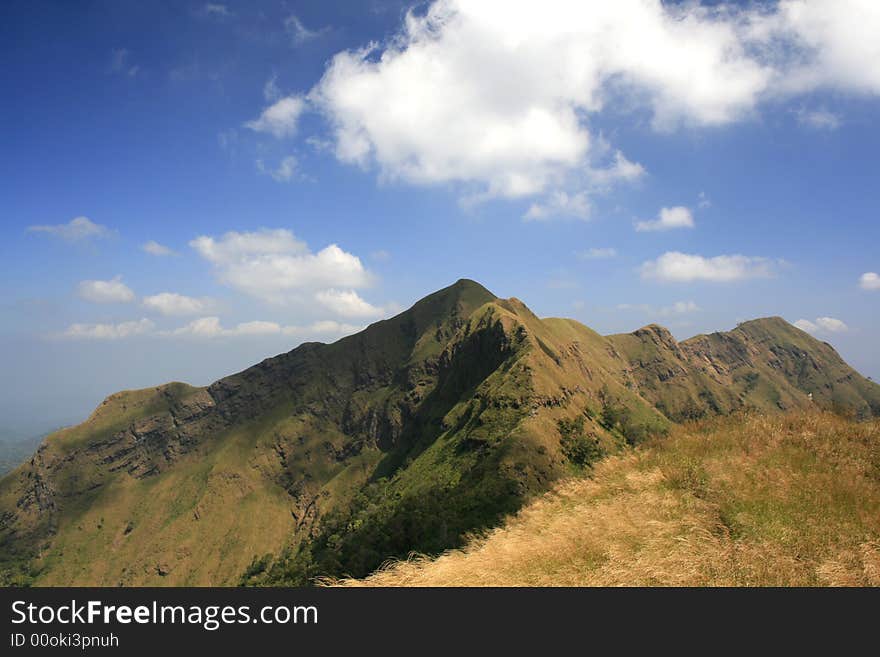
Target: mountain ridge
(405,436)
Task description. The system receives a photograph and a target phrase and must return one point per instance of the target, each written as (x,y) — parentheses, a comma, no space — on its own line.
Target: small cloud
(597,254)
(280,118)
(79,229)
(380,256)
(285,172)
(228,139)
(108,331)
(119,59)
(154,248)
(822,325)
(298,32)
(171,303)
(677,267)
(703,201)
(112,291)
(869,281)
(677,308)
(668,219)
(215,10)
(211,327)
(560,204)
(323,327)
(818,119)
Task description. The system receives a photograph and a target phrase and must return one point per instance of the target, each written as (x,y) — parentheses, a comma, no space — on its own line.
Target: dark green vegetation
(408,436)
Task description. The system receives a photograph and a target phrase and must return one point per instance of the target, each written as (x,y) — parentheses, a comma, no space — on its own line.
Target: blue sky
(303,169)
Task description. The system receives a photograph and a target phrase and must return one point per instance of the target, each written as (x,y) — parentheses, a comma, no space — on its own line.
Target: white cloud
(154,248)
(818,119)
(347,303)
(703,201)
(286,170)
(668,219)
(674,266)
(279,119)
(498,96)
(171,303)
(112,291)
(822,325)
(108,331)
(77,229)
(870,281)
(274,266)
(598,253)
(560,204)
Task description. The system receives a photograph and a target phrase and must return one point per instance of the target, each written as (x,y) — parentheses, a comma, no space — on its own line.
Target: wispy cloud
(215,10)
(79,229)
(596,253)
(108,331)
(818,119)
(212,328)
(154,248)
(120,62)
(284,172)
(674,309)
(299,33)
(271,92)
(560,204)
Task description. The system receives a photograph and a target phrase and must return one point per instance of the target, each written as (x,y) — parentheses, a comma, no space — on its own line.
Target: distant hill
(15,451)
(405,437)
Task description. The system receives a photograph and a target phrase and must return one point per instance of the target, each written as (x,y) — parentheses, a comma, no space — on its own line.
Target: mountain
(407,436)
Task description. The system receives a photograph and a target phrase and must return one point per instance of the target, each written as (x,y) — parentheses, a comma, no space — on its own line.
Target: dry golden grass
(782,500)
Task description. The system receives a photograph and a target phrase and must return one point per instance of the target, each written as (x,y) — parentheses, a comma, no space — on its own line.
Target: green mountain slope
(331,458)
